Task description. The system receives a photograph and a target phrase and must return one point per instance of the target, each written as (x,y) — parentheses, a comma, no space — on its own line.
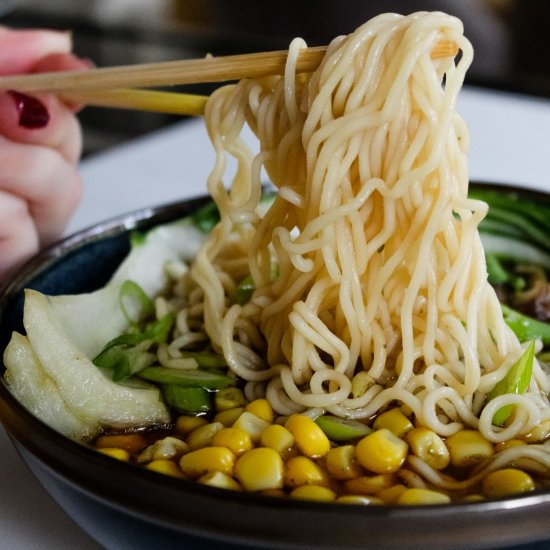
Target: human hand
(40,145)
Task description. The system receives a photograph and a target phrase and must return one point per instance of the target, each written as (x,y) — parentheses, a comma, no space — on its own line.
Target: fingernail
(32,112)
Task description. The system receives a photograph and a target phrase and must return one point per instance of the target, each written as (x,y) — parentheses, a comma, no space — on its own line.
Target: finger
(40,120)
(63,62)
(18,235)
(21,49)
(50,185)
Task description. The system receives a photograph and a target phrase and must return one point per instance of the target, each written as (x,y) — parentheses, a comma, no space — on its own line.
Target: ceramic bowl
(123,506)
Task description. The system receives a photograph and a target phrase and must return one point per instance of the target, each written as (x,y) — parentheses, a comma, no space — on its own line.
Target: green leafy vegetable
(341,429)
(516,381)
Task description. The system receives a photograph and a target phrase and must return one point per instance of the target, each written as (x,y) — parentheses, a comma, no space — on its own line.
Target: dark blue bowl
(123,506)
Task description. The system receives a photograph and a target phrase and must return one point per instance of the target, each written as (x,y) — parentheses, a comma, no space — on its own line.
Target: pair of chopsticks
(120,87)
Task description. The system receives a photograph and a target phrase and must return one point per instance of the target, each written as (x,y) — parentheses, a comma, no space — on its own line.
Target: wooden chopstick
(169,73)
(139,100)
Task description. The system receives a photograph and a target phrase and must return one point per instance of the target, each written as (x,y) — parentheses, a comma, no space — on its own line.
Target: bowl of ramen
(355,356)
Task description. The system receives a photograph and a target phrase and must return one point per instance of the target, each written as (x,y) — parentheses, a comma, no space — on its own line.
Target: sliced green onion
(244,290)
(134,303)
(206,218)
(526,328)
(187,400)
(516,381)
(196,378)
(341,429)
(124,361)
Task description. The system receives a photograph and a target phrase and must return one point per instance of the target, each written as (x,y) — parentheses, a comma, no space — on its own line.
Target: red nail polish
(32,112)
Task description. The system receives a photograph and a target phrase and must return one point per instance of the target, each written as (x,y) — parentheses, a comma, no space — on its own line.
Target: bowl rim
(18,421)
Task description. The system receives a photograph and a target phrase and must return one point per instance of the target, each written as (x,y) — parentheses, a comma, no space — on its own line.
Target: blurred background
(512,50)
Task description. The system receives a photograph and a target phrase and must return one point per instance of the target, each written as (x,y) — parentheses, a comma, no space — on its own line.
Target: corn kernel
(168,447)
(133,443)
(422,496)
(120,454)
(360,383)
(341,463)
(313,492)
(228,417)
(429,447)
(252,425)
(277,437)
(508,444)
(539,433)
(260,469)
(359,499)
(381,452)
(207,459)
(391,494)
(369,485)
(186,424)
(262,409)
(508,481)
(166,467)
(219,480)
(229,398)
(468,447)
(395,421)
(203,435)
(301,470)
(309,437)
(235,439)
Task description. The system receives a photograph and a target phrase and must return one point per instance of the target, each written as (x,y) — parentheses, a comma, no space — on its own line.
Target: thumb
(20,50)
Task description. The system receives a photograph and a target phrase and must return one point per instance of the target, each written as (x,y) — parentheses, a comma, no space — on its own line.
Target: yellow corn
(133,443)
(341,463)
(539,433)
(369,485)
(508,444)
(260,469)
(277,437)
(429,447)
(119,454)
(203,435)
(235,439)
(422,496)
(252,425)
(168,447)
(310,439)
(262,409)
(229,398)
(395,421)
(313,492)
(186,424)
(207,459)
(391,494)
(473,498)
(381,452)
(166,467)
(468,447)
(508,481)
(360,383)
(219,480)
(359,499)
(228,417)
(301,470)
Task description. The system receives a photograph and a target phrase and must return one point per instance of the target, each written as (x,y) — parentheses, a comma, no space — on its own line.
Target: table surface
(510,143)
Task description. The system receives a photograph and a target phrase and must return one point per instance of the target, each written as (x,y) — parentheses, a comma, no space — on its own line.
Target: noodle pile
(369,273)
